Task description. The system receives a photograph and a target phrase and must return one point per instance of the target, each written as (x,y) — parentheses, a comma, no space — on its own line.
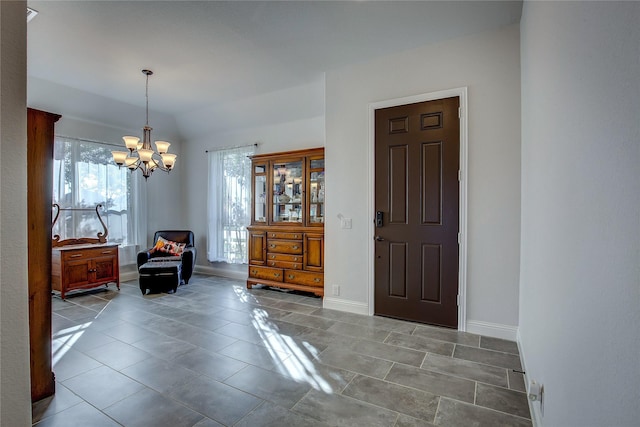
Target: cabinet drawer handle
(254,271)
(276,274)
(273,257)
(273,235)
(295,258)
(76,255)
(295,265)
(295,236)
(295,247)
(272,246)
(106,252)
(316,279)
(273,264)
(291,276)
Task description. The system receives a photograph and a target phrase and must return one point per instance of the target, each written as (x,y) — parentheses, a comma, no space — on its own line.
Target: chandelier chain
(147,97)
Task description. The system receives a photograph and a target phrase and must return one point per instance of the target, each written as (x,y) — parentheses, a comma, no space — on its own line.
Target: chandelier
(141,155)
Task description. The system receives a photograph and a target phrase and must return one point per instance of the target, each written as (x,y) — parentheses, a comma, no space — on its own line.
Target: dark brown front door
(417,210)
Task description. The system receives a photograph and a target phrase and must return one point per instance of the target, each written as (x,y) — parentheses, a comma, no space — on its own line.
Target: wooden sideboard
(286,258)
(84,267)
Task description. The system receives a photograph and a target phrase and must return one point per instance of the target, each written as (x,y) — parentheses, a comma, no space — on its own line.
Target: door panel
(431,279)
(77,272)
(398,158)
(257,247)
(314,252)
(398,270)
(431,183)
(104,268)
(417,191)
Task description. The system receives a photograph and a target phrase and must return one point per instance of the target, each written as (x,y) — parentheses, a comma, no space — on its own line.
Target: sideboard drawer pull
(295,247)
(276,274)
(272,246)
(291,276)
(106,252)
(316,279)
(76,255)
(254,272)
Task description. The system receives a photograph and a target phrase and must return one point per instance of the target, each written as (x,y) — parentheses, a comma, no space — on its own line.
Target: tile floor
(217,354)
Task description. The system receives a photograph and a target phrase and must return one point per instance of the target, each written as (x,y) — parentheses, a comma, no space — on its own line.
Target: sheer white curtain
(229,204)
(84,175)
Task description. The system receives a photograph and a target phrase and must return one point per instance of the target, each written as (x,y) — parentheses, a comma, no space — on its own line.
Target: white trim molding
(221,272)
(128,276)
(495,330)
(461,93)
(345,305)
(535,408)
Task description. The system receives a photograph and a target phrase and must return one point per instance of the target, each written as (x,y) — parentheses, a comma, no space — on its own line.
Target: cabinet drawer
(285,264)
(285,246)
(284,236)
(266,273)
(77,255)
(304,278)
(87,253)
(284,257)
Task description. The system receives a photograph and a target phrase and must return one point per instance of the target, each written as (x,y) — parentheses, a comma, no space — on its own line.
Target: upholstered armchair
(187,257)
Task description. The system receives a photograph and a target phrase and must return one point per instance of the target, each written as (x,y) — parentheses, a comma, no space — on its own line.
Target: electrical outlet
(345,223)
(336,290)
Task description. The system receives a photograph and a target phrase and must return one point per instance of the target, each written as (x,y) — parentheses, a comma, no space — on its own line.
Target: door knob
(378,239)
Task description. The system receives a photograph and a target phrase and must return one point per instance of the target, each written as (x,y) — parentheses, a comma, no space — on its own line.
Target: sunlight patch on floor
(65,339)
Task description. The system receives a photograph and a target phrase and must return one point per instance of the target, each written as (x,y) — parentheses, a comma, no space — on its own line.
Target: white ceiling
(208,53)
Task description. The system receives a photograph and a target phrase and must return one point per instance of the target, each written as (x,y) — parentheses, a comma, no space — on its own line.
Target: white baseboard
(204,269)
(345,305)
(534,407)
(128,276)
(495,330)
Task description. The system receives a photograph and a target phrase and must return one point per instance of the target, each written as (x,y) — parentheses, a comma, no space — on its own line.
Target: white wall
(580,269)
(296,122)
(15,399)
(489,65)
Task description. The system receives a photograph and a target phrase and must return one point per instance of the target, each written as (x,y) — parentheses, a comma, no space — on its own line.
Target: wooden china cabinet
(286,236)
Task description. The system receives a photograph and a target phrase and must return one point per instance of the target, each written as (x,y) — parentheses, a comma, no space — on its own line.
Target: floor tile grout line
(424,359)
(435,414)
(486,408)
(248,413)
(151,308)
(475,392)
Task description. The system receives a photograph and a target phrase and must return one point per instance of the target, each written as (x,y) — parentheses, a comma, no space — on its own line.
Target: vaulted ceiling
(207,53)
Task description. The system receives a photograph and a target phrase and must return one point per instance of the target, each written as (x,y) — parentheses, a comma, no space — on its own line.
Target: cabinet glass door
(287,192)
(316,192)
(260,193)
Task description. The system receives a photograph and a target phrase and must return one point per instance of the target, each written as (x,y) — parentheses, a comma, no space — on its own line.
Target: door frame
(461,93)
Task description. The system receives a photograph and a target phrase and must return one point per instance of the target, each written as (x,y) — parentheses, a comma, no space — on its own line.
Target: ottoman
(160,276)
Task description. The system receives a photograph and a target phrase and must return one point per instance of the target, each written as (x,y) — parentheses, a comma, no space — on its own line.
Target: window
(229,204)
(84,175)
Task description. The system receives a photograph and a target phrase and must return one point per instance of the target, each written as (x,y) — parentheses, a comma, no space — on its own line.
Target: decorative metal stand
(102,237)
